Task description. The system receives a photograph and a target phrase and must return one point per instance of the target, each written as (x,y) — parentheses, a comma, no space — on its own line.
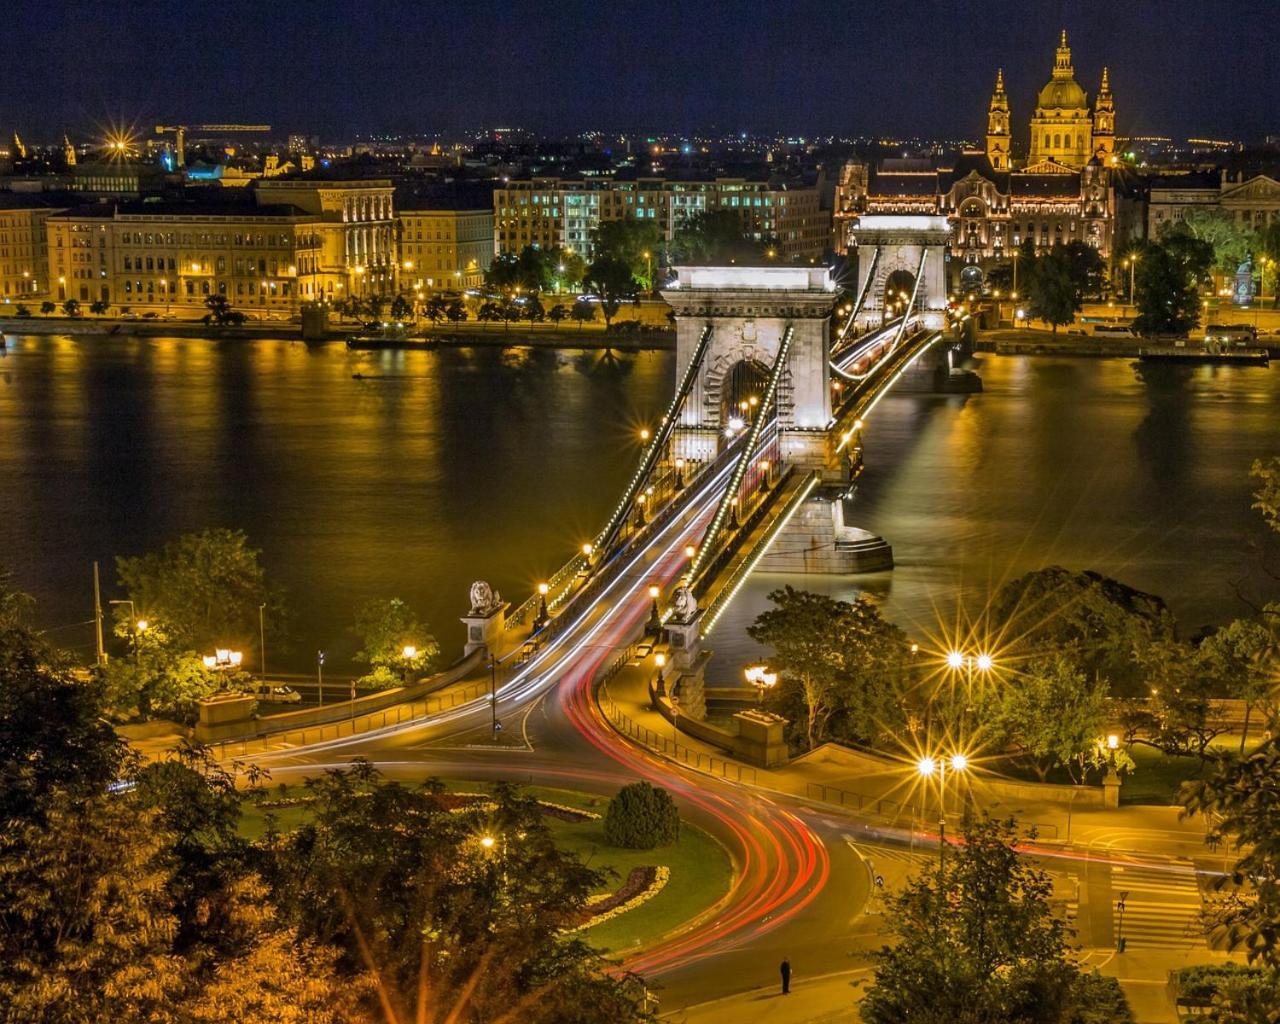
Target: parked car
(278,694)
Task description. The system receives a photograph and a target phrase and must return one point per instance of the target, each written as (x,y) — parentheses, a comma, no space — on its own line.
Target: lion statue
(484,599)
(686,605)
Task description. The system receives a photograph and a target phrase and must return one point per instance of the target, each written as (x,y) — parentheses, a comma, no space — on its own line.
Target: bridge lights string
(655,444)
(748,450)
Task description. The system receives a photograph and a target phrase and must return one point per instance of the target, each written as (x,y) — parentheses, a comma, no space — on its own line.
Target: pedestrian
(785,968)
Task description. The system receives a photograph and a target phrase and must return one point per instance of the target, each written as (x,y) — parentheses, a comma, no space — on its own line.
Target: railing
(733,541)
(668,746)
(355,726)
(895,811)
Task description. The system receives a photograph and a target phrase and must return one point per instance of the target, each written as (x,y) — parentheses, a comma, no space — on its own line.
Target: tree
(53,738)
(610,279)
(71,307)
(533,310)
(456,312)
(1178,717)
(220,312)
(570,268)
(206,588)
(387,628)
(1240,802)
(641,817)
(22,311)
(374,305)
(401,308)
(1099,618)
(437,308)
(470,928)
(798,630)
(99,307)
(1166,280)
(1055,285)
(85,928)
(489,312)
(557,313)
(627,240)
(1267,496)
(1052,713)
(583,311)
(1230,241)
(1238,658)
(47,307)
(714,236)
(978,942)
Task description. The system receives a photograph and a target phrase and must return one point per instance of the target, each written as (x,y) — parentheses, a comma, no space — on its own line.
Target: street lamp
(655,616)
(164,287)
(762,679)
(540,619)
(660,660)
(679,474)
(223,660)
(926,767)
(409,652)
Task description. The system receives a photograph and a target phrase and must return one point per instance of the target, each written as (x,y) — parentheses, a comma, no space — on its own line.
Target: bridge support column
(817,540)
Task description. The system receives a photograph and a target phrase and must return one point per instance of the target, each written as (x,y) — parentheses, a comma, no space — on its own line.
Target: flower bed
(642,885)
(455,803)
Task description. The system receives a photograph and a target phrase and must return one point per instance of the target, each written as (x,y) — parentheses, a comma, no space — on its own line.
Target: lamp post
(927,767)
(408,652)
(762,679)
(262,641)
(320,676)
(493,695)
(1120,942)
(540,619)
(654,625)
(648,269)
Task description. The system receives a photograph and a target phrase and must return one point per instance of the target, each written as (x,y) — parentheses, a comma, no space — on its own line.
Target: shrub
(641,817)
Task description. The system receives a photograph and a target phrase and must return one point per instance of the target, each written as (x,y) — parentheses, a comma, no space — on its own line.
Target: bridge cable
(656,446)
(748,451)
(915,292)
(857,308)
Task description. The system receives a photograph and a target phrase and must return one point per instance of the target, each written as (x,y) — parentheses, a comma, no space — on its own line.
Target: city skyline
(631,68)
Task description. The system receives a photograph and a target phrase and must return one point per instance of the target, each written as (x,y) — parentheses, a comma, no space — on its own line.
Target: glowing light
(660,660)
(955,659)
(959,762)
(410,652)
(142,625)
(1113,741)
(926,766)
(542,589)
(487,842)
(984,662)
(654,591)
(587,549)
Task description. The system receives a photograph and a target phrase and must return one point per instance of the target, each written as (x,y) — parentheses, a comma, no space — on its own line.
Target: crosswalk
(1161,906)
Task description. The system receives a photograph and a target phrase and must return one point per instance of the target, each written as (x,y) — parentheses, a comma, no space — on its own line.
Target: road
(803,884)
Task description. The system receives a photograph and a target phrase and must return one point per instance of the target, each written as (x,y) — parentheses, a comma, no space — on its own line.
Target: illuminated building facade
(150,256)
(557,212)
(24,254)
(444,249)
(357,230)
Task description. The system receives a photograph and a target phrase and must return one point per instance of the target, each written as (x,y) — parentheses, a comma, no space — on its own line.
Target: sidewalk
(893,794)
(820,1000)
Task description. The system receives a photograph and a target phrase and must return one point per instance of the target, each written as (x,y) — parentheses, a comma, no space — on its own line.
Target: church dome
(1062,94)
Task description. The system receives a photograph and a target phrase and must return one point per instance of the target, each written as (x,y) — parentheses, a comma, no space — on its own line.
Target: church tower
(1104,122)
(68,151)
(1062,124)
(998,135)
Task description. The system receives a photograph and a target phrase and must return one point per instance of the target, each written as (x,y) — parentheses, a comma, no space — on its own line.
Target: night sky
(1178,67)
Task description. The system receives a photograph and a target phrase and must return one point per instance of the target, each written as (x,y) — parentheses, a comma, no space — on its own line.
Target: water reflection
(413,473)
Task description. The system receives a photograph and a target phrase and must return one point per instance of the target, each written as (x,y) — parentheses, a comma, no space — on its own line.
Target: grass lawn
(1156,777)
(700,868)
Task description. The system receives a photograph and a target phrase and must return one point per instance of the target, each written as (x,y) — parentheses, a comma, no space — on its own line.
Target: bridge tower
(903,242)
(749,311)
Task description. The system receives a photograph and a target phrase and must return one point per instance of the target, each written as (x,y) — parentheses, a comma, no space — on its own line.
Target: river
(437,468)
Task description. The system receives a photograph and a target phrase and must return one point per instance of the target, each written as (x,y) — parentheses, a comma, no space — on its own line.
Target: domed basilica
(1066,131)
